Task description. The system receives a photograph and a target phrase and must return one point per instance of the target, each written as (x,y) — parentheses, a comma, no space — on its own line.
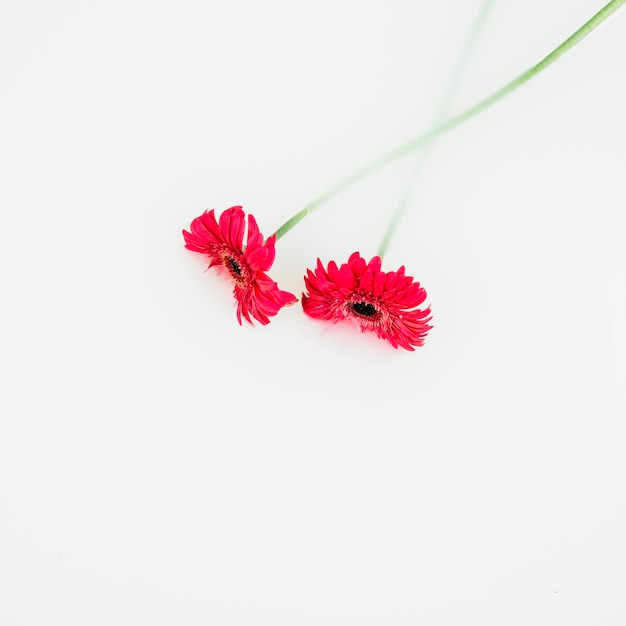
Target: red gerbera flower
(381,302)
(257,295)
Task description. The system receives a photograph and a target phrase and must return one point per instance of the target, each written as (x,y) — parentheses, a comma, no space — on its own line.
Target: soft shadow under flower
(257,295)
(381,302)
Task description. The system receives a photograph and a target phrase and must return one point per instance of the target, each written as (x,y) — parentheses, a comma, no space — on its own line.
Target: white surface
(161,465)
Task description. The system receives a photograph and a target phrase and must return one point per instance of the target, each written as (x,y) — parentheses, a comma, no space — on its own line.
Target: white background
(161,465)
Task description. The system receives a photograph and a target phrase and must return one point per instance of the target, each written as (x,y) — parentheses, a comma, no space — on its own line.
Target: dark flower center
(232,266)
(236,269)
(364,309)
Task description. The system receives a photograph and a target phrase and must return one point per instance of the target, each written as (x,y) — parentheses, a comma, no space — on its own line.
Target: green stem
(463,117)
(442,113)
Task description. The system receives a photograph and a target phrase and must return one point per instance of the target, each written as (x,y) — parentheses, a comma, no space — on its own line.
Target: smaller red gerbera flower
(381,302)
(257,295)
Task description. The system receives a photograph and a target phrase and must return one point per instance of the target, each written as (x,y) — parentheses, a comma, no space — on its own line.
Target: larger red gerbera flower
(381,302)
(257,295)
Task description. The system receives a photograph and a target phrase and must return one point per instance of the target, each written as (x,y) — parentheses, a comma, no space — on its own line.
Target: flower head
(257,295)
(381,302)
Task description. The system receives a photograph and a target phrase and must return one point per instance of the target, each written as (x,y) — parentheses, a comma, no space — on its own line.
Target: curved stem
(442,112)
(459,119)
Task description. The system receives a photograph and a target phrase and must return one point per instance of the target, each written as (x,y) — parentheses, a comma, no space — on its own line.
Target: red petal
(253,228)
(378,284)
(232,226)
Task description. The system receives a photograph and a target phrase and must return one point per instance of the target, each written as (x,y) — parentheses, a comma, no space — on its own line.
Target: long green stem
(463,117)
(442,112)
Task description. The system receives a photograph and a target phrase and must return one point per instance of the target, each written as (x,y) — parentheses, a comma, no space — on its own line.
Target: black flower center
(232,266)
(364,309)
(236,268)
